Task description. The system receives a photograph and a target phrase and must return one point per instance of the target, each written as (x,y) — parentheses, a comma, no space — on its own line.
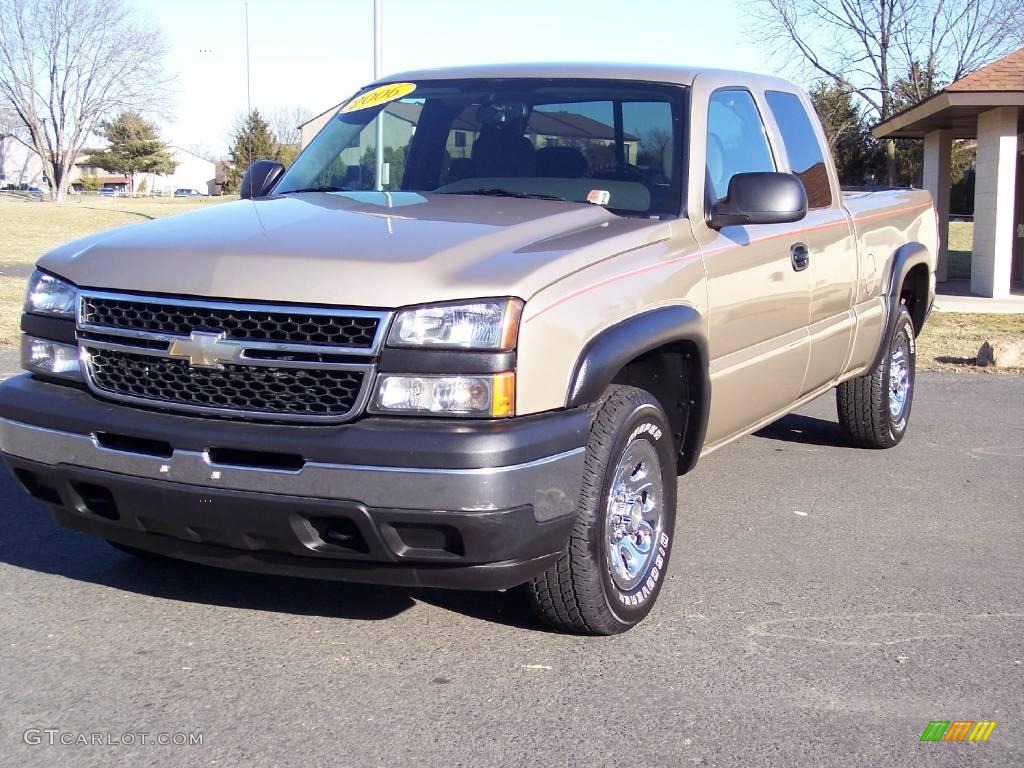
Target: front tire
(613,567)
(874,409)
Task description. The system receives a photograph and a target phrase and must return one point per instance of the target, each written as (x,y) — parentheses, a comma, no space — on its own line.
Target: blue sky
(314,53)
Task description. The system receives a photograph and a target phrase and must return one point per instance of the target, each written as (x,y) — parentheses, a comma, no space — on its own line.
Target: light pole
(377,57)
(248,87)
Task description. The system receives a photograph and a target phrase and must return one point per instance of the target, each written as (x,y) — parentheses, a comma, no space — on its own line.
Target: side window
(802,146)
(736,139)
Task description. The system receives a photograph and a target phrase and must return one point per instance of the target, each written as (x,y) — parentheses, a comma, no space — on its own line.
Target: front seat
(502,150)
(561,162)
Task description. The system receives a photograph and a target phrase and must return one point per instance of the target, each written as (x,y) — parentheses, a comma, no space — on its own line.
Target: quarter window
(806,159)
(736,139)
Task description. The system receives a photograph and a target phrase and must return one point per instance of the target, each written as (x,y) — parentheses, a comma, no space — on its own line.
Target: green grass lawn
(950,340)
(961,234)
(28,229)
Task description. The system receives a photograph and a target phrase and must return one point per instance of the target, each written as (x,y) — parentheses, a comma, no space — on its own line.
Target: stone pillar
(938,150)
(994,188)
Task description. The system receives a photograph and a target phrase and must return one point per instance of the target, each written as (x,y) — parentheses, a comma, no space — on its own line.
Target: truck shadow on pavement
(30,539)
(805,430)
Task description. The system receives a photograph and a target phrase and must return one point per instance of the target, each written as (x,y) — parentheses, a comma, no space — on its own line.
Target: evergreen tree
(134,148)
(846,131)
(252,141)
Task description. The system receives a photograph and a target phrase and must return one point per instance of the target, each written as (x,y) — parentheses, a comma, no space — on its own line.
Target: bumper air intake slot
(234,457)
(339,532)
(95,499)
(128,444)
(37,487)
(427,539)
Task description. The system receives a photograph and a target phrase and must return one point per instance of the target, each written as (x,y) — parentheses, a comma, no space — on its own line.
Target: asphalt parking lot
(823,605)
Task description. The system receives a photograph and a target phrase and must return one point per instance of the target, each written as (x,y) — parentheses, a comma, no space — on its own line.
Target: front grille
(270,390)
(325,327)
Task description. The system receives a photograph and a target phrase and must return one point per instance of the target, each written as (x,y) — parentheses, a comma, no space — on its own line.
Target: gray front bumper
(550,484)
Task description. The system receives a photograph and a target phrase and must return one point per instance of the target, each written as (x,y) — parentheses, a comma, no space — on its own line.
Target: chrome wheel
(899,377)
(634,516)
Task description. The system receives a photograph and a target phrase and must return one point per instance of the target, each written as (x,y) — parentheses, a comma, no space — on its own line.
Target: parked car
(188,193)
(108,191)
(26,188)
(582,280)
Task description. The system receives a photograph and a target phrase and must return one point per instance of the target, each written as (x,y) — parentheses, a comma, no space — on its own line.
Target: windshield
(610,143)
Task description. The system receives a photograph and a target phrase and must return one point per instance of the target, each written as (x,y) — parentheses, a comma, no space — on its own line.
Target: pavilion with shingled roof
(987,105)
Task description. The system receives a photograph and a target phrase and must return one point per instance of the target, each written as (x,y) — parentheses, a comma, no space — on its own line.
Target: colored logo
(958,730)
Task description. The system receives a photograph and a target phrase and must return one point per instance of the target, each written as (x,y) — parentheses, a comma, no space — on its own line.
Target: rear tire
(874,409)
(613,567)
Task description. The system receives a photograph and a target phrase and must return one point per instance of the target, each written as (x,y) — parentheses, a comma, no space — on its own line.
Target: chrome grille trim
(120,340)
(383,321)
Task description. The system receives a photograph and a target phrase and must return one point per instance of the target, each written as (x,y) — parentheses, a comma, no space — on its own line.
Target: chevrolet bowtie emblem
(205,350)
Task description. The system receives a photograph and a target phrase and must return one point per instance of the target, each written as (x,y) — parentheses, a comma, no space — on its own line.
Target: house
(19,164)
(987,105)
(192,172)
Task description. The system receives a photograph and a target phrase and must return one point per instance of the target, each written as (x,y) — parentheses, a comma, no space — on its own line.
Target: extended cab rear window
(806,159)
(617,144)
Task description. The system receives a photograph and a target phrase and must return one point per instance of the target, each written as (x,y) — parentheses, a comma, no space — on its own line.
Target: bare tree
(890,53)
(203,150)
(10,124)
(285,121)
(65,65)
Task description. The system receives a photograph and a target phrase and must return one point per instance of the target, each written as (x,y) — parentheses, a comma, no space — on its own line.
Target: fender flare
(905,258)
(606,354)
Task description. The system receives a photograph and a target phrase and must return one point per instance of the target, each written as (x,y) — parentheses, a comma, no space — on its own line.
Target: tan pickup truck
(471,337)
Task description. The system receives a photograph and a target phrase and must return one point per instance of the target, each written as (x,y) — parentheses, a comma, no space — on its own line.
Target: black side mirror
(260,179)
(760,198)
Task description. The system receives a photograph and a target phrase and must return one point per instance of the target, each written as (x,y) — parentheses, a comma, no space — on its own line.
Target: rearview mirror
(260,179)
(760,198)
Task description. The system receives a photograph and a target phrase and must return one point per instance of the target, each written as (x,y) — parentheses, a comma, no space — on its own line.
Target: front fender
(605,355)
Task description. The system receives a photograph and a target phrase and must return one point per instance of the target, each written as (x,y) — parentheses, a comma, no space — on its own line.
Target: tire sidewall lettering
(646,428)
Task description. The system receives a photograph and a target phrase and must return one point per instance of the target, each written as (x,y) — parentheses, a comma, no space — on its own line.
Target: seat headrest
(561,162)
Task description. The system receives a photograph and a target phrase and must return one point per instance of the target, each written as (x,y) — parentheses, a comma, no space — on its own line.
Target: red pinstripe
(719,249)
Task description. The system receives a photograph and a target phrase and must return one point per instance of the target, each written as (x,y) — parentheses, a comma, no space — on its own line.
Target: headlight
(49,295)
(50,358)
(484,396)
(490,324)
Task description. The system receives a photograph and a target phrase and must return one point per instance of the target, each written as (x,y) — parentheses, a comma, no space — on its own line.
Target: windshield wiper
(499,192)
(318,189)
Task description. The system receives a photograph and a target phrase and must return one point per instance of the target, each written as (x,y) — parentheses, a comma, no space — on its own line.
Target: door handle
(800,255)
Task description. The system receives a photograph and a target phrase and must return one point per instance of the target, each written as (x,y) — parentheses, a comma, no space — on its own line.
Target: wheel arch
(663,351)
(910,281)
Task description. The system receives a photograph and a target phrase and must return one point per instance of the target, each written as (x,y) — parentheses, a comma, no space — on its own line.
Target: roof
(1005,74)
(657,73)
(957,106)
(184,151)
(583,70)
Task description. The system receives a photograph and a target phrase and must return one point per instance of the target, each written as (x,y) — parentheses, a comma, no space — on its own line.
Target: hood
(368,249)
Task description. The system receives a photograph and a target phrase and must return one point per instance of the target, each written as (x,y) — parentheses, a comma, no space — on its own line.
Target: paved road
(823,605)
